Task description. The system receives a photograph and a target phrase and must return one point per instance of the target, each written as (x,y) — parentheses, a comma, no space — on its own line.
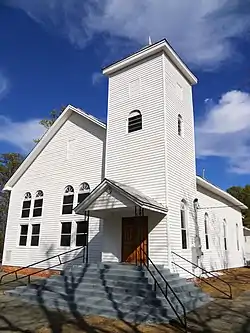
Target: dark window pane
(225,243)
(68,199)
(26,204)
(34,241)
(82,227)
(38,203)
(66,228)
(23,240)
(35,229)
(26,213)
(81,240)
(67,209)
(24,229)
(65,240)
(207,243)
(183,219)
(82,196)
(134,123)
(184,239)
(37,212)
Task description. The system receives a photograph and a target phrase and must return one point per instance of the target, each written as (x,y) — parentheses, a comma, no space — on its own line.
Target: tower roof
(161,46)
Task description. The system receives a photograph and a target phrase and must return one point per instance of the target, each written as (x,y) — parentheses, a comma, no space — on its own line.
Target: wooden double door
(135,239)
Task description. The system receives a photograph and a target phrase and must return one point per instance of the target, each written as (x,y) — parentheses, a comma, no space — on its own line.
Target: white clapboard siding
(138,158)
(109,201)
(52,170)
(216,257)
(181,173)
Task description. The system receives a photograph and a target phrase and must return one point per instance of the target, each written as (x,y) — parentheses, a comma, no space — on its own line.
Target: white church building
(126,191)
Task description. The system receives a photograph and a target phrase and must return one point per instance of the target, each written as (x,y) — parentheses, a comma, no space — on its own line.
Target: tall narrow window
(68,200)
(206,230)
(134,121)
(26,205)
(225,234)
(66,234)
(184,224)
(237,237)
(84,191)
(180,125)
(23,234)
(35,235)
(38,204)
(82,233)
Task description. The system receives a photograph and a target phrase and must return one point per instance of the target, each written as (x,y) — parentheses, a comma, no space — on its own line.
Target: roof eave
(149,51)
(203,183)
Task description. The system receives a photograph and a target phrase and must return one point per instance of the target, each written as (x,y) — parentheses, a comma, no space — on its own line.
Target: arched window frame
(206,223)
(180,126)
(84,192)
(184,224)
(38,204)
(26,205)
(237,237)
(225,234)
(68,200)
(134,122)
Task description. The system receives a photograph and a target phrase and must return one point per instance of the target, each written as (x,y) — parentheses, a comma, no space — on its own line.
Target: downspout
(197,241)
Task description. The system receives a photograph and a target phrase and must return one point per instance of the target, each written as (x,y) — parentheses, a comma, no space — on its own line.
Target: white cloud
(201,31)
(225,131)
(96,78)
(20,134)
(4,85)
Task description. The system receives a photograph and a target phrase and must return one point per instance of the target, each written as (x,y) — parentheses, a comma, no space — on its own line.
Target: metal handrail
(44,269)
(229,295)
(167,286)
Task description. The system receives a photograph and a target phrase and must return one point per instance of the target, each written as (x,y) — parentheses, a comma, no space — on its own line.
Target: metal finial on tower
(149,40)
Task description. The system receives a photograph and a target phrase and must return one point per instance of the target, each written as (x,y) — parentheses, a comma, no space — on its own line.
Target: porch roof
(128,192)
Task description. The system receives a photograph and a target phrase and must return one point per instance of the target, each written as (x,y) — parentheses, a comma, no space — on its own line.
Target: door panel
(134,238)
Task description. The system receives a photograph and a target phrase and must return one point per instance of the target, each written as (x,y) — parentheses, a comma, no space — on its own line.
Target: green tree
(48,122)
(242,194)
(9,163)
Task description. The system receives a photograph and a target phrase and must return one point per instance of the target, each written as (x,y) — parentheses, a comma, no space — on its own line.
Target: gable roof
(223,194)
(128,192)
(69,110)
(160,46)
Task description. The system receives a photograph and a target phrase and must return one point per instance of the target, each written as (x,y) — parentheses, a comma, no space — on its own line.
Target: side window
(84,191)
(225,234)
(38,204)
(206,220)
(23,234)
(237,237)
(66,234)
(35,235)
(82,233)
(68,200)
(26,205)
(183,212)
(180,126)
(134,121)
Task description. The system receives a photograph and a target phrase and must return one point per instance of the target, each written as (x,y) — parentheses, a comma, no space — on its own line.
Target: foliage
(242,194)
(9,163)
(48,122)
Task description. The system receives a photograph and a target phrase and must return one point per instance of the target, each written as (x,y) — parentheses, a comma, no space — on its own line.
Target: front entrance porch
(133,226)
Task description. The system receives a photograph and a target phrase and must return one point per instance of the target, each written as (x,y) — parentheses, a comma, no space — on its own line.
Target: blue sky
(52,52)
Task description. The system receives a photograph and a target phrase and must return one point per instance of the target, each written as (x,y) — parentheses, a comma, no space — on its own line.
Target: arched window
(225,234)
(183,212)
(84,191)
(134,121)
(206,220)
(68,200)
(38,204)
(237,237)
(26,205)
(180,125)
